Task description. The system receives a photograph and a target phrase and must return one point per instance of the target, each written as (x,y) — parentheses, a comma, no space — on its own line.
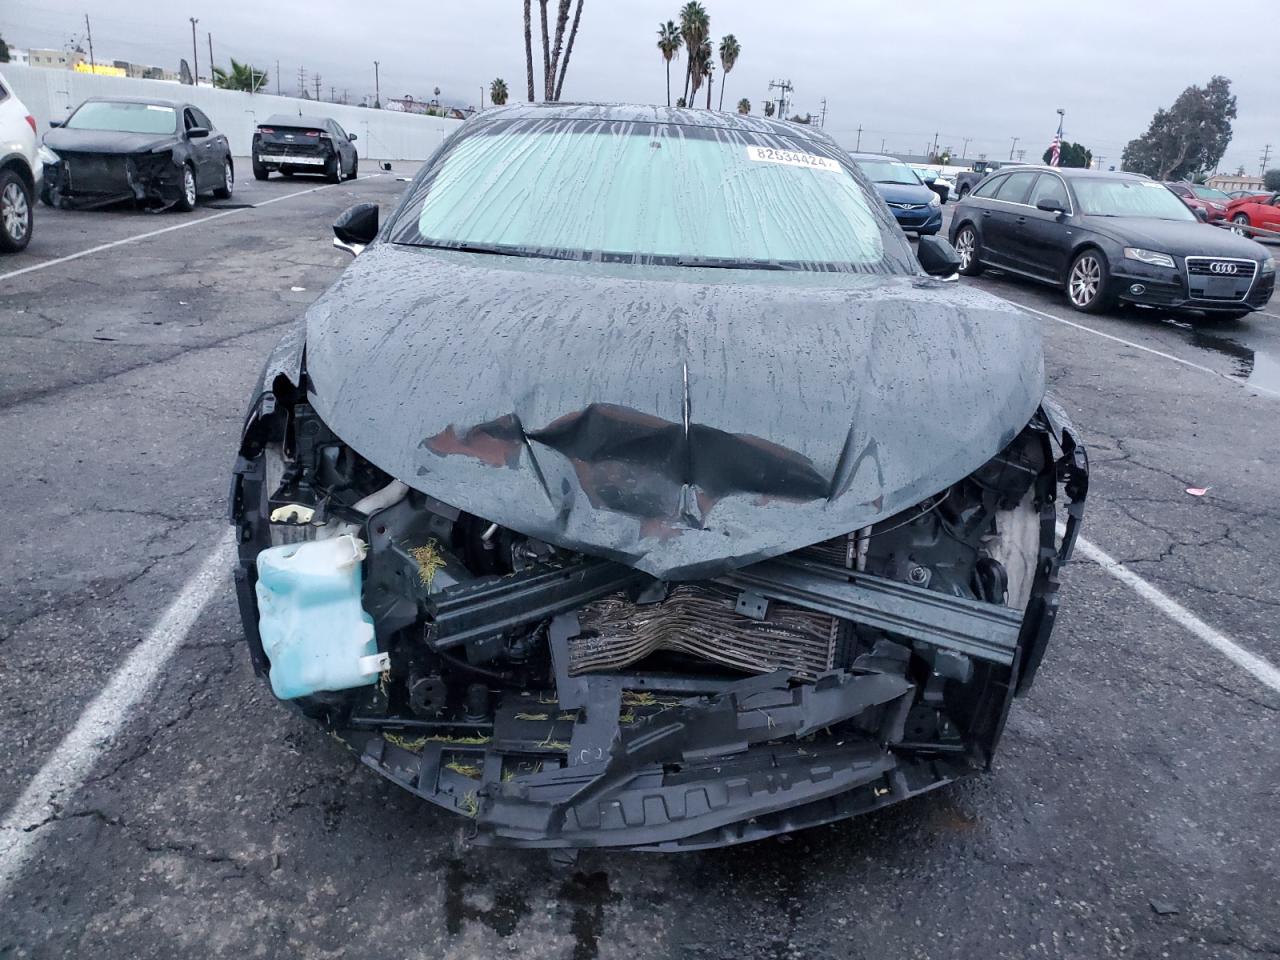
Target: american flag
(1055,148)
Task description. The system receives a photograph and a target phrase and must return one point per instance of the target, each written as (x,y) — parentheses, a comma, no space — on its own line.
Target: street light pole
(195,54)
(1014,147)
(377,88)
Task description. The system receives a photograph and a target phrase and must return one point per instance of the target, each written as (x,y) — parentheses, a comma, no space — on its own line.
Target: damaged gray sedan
(638,486)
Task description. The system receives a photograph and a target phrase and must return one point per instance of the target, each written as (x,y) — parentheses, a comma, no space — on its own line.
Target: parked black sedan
(151,151)
(606,520)
(297,144)
(1106,238)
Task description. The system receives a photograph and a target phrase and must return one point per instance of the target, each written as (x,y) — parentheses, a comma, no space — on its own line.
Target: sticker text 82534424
(792,158)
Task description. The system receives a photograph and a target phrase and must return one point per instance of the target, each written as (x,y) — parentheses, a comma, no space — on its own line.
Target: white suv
(19,171)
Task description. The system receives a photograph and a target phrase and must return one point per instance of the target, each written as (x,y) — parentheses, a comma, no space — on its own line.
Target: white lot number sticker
(792,159)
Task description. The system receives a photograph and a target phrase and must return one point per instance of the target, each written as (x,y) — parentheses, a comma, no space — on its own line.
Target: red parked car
(1199,197)
(1259,210)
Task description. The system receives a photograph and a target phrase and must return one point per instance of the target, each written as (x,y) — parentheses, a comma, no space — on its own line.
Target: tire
(964,191)
(187,198)
(1240,224)
(1087,280)
(16,213)
(355,168)
(333,169)
(259,171)
(228,181)
(968,247)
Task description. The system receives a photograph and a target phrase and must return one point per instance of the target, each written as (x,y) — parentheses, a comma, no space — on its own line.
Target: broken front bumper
(88,180)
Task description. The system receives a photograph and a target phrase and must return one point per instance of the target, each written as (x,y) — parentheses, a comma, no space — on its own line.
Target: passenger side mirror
(54,124)
(937,257)
(1050,205)
(356,228)
(195,133)
(352,137)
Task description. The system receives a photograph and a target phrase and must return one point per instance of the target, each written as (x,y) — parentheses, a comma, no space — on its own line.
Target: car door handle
(1022,219)
(986,213)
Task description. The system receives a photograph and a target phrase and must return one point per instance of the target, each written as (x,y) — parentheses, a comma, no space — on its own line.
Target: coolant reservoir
(314,630)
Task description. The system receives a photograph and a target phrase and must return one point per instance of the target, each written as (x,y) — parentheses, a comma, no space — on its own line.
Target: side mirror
(54,124)
(1049,205)
(1201,214)
(356,228)
(195,133)
(352,137)
(937,257)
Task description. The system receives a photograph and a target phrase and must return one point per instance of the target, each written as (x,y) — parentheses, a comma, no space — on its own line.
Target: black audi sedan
(638,486)
(1107,238)
(157,152)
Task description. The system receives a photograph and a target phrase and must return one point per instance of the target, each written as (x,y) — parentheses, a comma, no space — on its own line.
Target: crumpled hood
(683,421)
(106,141)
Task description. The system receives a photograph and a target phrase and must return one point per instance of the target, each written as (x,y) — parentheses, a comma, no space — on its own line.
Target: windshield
(124,117)
(889,171)
(1208,193)
(649,192)
(1129,198)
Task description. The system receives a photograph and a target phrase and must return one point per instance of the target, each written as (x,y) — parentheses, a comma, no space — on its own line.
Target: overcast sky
(903,70)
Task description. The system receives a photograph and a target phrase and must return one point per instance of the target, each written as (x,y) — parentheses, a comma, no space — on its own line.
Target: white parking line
(1138,346)
(177,226)
(1262,670)
(72,760)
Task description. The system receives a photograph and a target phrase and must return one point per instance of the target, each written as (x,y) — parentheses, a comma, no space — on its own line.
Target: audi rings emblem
(1227,268)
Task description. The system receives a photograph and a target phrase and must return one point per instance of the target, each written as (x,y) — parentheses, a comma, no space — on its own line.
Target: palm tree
(729,50)
(744,105)
(568,48)
(241,76)
(700,68)
(708,70)
(695,24)
(669,42)
(498,92)
(528,46)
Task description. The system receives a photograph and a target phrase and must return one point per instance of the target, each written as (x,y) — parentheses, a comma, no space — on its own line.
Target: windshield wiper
(495,249)
(723,263)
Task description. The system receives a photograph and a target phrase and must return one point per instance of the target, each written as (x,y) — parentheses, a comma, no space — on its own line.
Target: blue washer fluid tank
(313,628)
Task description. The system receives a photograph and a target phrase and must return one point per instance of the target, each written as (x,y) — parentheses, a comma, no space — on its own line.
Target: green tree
(680,102)
(695,25)
(1271,181)
(729,50)
(1071,155)
(1190,136)
(744,106)
(4,51)
(498,92)
(669,42)
(241,76)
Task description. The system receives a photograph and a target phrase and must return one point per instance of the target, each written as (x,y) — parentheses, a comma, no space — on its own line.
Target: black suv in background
(304,145)
(1109,237)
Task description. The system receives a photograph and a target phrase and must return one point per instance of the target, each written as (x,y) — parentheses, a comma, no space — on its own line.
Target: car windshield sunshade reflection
(1101,197)
(650,193)
(124,117)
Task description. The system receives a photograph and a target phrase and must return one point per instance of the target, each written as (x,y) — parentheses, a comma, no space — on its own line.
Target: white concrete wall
(380,134)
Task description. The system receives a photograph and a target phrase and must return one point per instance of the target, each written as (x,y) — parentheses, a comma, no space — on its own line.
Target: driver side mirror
(1201,214)
(55,124)
(937,257)
(195,133)
(356,228)
(1049,205)
(352,137)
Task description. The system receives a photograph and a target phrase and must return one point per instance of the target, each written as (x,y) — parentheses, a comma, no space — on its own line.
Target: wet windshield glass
(652,193)
(124,117)
(889,171)
(1129,198)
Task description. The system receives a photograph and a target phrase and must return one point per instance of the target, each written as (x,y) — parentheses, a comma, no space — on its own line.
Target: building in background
(1230,182)
(55,59)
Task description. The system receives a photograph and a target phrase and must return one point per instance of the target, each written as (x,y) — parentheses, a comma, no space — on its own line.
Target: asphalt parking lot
(1131,810)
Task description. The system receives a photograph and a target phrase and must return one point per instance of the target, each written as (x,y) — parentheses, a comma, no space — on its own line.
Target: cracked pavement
(1130,811)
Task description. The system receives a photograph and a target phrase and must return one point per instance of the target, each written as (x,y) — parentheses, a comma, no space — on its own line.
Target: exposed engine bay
(563,700)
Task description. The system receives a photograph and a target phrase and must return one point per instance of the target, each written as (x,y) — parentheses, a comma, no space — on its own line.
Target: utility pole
(784,87)
(93,64)
(823,121)
(935,144)
(482,96)
(277,78)
(1266,155)
(859,146)
(377,89)
(964,151)
(302,81)
(1022,154)
(1098,160)
(210,36)
(195,53)
(1015,144)
(316,81)
(882,140)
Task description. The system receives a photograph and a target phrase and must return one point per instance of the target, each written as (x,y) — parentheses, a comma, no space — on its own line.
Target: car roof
(292,120)
(1072,173)
(875,156)
(639,113)
(151,101)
